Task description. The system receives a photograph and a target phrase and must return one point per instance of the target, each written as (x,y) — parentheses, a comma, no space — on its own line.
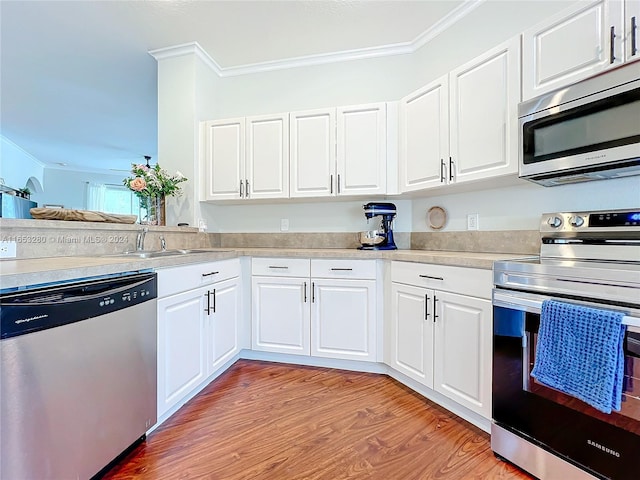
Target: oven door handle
(519,301)
(533,303)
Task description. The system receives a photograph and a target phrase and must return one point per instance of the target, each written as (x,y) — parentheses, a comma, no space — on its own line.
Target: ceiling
(78,85)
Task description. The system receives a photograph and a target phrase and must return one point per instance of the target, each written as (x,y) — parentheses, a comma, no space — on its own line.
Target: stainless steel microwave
(587,131)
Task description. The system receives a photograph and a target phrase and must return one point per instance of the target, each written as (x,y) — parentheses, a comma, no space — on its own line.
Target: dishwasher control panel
(52,306)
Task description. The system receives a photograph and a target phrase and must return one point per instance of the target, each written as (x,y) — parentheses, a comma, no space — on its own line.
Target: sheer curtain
(96,193)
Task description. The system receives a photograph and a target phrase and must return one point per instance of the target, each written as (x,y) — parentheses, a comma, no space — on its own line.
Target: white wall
(519,207)
(320,216)
(17,167)
(385,78)
(69,188)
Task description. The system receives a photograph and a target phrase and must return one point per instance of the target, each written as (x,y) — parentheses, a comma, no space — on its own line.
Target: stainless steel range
(587,259)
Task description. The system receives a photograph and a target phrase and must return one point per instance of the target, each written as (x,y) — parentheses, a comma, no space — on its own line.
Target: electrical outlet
(7,249)
(472,221)
(284,224)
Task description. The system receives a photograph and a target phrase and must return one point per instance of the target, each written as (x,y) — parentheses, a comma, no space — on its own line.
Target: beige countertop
(14,273)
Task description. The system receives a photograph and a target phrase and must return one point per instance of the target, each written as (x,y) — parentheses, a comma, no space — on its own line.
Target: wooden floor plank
(262,420)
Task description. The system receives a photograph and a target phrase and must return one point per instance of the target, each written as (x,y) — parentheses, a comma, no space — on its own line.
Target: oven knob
(554,222)
(576,221)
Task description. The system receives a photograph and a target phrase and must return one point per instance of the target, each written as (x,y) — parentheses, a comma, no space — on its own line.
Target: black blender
(382,238)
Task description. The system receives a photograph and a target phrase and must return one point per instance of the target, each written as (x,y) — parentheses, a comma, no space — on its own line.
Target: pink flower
(138,184)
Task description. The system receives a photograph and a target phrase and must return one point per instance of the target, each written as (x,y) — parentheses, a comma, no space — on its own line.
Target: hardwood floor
(263,420)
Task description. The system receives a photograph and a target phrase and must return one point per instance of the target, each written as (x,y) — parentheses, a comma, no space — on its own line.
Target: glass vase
(152,210)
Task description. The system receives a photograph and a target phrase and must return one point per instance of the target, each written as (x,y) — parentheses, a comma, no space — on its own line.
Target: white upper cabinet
(267,162)
(463,126)
(577,43)
(312,153)
(247,158)
(224,159)
(631,30)
(424,136)
(339,151)
(362,150)
(484,97)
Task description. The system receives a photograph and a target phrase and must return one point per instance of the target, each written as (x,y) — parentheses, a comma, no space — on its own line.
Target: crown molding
(404,48)
(192,48)
(445,22)
(15,146)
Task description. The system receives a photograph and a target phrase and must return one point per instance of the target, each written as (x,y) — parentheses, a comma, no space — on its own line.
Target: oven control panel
(602,221)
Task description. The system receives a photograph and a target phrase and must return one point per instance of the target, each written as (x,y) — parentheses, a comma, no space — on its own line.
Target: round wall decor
(436,218)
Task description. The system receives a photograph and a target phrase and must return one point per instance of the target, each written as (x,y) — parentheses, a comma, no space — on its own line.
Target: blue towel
(580,352)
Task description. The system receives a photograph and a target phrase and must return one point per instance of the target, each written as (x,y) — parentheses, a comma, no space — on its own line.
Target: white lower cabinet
(222,322)
(296,312)
(280,315)
(181,346)
(198,326)
(462,350)
(342,321)
(442,338)
(412,333)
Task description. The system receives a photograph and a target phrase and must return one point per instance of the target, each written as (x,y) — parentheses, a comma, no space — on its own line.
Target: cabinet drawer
(466,281)
(281,267)
(324,268)
(187,277)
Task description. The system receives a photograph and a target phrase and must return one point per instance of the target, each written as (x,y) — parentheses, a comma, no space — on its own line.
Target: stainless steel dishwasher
(78,375)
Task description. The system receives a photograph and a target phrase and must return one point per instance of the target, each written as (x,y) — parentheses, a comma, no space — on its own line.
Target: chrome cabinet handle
(342,269)
(313,292)
(612,45)
(246,193)
(634,28)
(278,266)
(331,183)
(305,292)
(441,170)
(338,183)
(435,315)
(450,169)
(426,307)
(241,188)
(209,274)
(430,277)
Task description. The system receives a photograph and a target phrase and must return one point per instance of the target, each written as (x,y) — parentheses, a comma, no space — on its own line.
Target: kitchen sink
(160,253)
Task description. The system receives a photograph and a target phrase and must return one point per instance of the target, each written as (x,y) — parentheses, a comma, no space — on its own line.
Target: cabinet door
(280,315)
(632,30)
(267,164)
(181,346)
(313,139)
(463,351)
(224,159)
(571,46)
(412,332)
(362,150)
(484,116)
(223,323)
(424,136)
(343,319)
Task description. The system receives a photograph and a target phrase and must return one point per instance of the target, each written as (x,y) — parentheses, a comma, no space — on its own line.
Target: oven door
(606,445)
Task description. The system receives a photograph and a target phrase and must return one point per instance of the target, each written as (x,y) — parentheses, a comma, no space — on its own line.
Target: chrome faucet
(163,243)
(140,239)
